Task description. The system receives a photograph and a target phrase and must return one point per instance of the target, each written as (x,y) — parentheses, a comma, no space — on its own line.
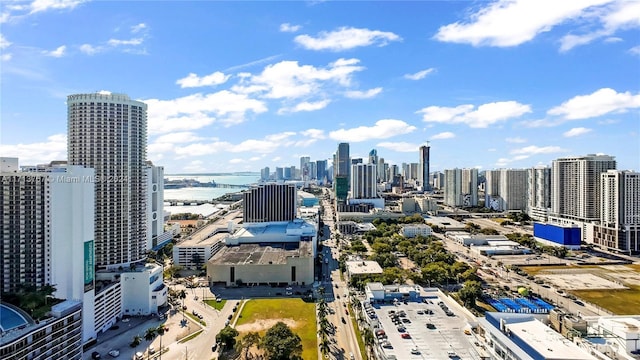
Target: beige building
(272,263)
(362,268)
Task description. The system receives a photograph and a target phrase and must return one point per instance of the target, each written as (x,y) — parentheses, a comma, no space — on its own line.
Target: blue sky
(236,86)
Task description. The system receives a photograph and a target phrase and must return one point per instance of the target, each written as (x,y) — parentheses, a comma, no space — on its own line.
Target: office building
(305,170)
(423,171)
(539,192)
(321,171)
(108,132)
(438,180)
(343,162)
(288,174)
(575,184)
(373,156)
(269,203)
(619,227)
(414,171)
(48,232)
(383,170)
(461,187)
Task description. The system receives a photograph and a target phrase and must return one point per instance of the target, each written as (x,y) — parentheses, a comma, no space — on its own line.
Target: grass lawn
(618,301)
(303,313)
(216,305)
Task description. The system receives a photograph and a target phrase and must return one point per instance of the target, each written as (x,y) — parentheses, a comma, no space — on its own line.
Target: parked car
(405,336)
(139,356)
(95,355)
(114,353)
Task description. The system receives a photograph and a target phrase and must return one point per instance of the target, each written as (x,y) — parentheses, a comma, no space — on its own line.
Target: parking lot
(445,338)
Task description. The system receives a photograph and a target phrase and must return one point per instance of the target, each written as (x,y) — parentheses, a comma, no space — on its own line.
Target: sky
(237,86)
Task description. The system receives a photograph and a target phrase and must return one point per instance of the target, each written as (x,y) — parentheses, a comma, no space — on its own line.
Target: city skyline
(308,76)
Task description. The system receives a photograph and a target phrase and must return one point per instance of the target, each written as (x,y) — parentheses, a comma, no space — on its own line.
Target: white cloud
(130,42)
(193,80)
(420,74)
(305,106)
(44,5)
(90,49)
(4,43)
(480,117)
(289,80)
(236,161)
(286,27)
(356,94)
(178,137)
(194,166)
(196,111)
(58,52)
(600,102)
(6,57)
(576,132)
(616,16)
(54,148)
(613,39)
(635,50)
(313,133)
(345,38)
(399,146)
(443,135)
(506,23)
(515,140)
(137,28)
(383,129)
(534,150)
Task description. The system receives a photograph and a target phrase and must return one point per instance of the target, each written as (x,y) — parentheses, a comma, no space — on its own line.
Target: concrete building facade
(423,171)
(539,192)
(461,188)
(108,132)
(269,202)
(619,227)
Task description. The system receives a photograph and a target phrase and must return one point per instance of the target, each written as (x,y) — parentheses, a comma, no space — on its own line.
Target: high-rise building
(288,175)
(492,198)
(382,170)
(363,181)
(539,192)
(156,236)
(414,171)
(311,167)
(341,169)
(575,184)
(513,189)
(265,174)
(619,227)
(305,170)
(373,156)
(269,203)
(48,224)
(423,171)
(343,163)
(108,132)
(279,173)
(321,171)
(461,187)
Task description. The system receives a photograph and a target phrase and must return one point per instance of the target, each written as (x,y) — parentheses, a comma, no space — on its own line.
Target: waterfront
(204,193)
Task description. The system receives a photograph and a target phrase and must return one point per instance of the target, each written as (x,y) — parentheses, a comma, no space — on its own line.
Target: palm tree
(182,295)
(369,340)
(325,346)
(323,310)
(149,335)
(136,341)
(160,331)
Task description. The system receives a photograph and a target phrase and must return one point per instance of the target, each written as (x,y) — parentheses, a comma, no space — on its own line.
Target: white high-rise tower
(108,132)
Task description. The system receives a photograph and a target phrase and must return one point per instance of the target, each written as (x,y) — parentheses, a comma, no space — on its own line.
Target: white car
(415,351)
(114,353)
(138,356)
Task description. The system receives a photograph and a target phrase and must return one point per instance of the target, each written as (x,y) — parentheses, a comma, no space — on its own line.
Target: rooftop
(262,254)
(363,267)
(213,233)
(546,341)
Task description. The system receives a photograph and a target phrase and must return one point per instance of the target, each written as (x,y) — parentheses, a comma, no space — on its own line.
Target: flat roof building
(362,268)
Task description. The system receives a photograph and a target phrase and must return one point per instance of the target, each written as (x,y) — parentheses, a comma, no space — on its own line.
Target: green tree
(248,341)
(280,343)
(136,341)
(227,337)
(471,291)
